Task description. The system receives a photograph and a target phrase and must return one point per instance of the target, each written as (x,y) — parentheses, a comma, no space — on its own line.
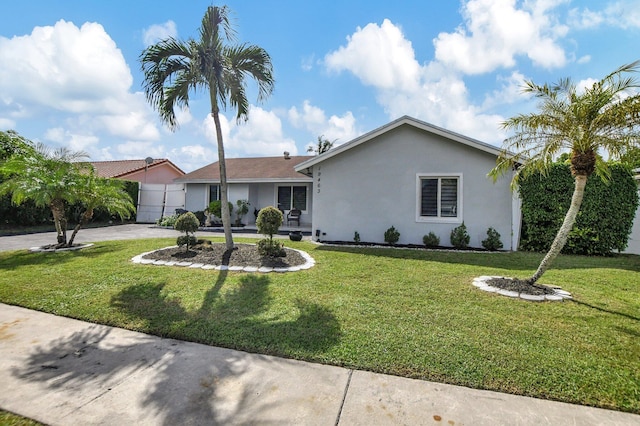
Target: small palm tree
(603,118)
(48,178)
(173,68)
(323,145)
(95,192)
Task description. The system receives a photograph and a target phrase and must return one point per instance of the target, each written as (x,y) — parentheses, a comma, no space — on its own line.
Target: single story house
(158,170)
(416,177)
(262,181)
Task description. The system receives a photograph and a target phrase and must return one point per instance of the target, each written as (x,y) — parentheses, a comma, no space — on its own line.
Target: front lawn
(410,313)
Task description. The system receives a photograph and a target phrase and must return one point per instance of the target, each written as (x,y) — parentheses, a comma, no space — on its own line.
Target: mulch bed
(217,254)
(520,286)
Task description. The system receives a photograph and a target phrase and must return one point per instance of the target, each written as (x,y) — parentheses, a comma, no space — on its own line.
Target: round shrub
(431,240)
(187,223)
(460,237)
(188,240)
(269,221)
(492,243)
(391,235)
(271,248)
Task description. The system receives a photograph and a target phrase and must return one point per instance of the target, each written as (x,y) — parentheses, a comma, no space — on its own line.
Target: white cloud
(64,73)
(620,14)
(496,31)
(432,92)
(379,55)
(7,124)
(158,32)
(313,119)
(260,136)
(74,141)
(584,59)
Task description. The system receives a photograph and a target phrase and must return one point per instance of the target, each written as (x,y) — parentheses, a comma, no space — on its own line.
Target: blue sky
(70,76)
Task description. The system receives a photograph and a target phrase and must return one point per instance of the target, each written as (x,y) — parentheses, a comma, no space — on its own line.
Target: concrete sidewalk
(61,371)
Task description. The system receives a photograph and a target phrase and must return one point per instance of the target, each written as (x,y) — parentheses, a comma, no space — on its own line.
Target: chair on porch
(294,216)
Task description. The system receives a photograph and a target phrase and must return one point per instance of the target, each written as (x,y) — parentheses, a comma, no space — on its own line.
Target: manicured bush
(460,237)
(492,242)
(269,221)
(187,223)
(271,248)
(391,236)
(603,223)
(188,240)
(431,240)
(356,237)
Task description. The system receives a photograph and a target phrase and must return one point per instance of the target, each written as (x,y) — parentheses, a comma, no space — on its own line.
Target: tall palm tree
(48,178)
(94,192)
(172,68)
(604,118)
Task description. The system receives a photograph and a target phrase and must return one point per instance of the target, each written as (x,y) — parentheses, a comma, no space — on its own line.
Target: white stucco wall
(373,186)
(196,197)
(633,244)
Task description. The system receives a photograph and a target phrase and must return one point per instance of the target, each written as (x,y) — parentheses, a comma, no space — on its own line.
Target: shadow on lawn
(237,319)
(175,382)
(22,258)
(502,260)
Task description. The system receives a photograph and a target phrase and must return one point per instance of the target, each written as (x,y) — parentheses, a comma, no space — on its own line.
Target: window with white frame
(438,197)
(292,197)
(214,193)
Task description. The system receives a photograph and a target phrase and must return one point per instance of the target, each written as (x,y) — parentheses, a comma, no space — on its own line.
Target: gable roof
(121,168)
(404,120)
(255,169)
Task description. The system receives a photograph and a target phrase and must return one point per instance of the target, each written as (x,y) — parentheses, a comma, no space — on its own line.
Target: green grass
(411,313)
(10,419)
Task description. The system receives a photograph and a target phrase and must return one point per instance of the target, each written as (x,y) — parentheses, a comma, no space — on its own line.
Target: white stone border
(42,250)
(309,263)
(558,293)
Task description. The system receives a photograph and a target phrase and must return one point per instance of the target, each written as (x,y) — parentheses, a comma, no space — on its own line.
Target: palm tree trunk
(560,240)
(84,219)
(226,214)
(59,220)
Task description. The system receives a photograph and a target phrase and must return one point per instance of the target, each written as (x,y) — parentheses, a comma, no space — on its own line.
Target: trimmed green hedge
(27,214)
(603,223)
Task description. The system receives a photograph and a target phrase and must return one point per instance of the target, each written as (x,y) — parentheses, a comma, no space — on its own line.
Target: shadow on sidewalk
(167,381)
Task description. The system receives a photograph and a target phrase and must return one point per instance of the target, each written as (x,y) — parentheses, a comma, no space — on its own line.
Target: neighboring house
(159,170)
(416,177)
(633,246)
(263,181)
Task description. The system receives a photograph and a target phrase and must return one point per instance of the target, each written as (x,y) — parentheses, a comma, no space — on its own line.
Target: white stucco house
(263,181)
(633,246)
(416,177)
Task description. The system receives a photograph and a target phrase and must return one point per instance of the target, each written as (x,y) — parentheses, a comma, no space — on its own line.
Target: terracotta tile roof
(250,169)
(119,168)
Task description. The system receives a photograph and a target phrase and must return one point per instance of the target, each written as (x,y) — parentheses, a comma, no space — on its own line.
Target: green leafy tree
(215,63)
(323,145)
(48,178)
(603,118)
(11,143)
(95,192)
